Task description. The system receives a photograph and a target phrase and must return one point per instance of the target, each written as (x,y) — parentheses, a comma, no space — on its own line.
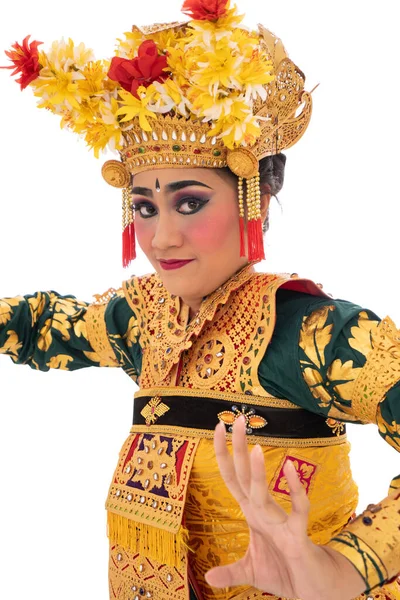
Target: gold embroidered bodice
(221,348)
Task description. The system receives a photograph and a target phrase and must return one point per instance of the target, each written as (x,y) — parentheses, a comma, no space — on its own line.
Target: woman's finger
(226,464)
(228,575)
(260,497)
(298,495)
(241,457)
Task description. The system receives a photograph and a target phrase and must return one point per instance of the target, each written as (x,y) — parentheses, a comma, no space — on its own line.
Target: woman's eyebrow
(171,187)
(178,185)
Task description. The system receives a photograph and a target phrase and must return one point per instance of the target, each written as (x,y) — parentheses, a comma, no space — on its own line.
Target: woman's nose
(167,233)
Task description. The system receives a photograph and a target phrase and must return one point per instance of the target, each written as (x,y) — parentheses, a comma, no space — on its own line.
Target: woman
(151,185)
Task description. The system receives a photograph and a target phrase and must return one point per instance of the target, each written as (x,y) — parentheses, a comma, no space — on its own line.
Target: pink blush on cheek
(144,236)
(208,235)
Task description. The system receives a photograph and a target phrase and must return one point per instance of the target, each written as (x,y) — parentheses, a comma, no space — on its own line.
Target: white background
(60,229)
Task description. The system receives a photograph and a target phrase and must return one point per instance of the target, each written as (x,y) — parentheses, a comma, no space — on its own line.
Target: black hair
(272,174)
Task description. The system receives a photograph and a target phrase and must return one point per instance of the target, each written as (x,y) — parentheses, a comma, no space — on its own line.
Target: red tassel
(255,240)
(241,226)
(128,245)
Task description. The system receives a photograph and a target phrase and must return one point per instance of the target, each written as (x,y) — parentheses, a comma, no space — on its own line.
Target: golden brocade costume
(270,342)
(210,93)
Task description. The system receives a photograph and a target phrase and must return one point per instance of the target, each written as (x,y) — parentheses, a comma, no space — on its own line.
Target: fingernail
(221,426)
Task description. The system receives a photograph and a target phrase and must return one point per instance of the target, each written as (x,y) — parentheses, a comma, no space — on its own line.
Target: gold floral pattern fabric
(49,331)
(349,361)
(321,354)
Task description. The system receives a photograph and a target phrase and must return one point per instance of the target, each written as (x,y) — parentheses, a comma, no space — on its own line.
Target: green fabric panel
(123,334)
(45,330)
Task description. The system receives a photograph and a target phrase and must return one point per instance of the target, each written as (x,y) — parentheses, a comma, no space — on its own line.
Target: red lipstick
(167,265)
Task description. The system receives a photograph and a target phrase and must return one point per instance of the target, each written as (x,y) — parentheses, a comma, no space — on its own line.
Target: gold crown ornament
(207,93)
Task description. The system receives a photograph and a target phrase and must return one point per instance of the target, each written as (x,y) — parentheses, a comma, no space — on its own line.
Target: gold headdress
(204,93)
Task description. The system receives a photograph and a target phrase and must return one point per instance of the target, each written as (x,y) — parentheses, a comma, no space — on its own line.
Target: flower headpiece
(203,93)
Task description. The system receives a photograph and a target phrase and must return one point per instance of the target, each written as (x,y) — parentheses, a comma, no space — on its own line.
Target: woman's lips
(174,264)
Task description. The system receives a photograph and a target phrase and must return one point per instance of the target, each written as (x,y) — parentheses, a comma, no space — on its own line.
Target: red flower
(26,61)
(205,10)
(147,67)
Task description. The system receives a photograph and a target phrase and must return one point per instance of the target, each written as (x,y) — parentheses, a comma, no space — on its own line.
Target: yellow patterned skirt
(218,533)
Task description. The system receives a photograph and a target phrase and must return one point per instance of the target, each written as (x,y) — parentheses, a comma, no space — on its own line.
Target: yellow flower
(178,64)
(254,75)
(94,73)
(64,55)
(235,131)
(167,96)
(128,47)
(106,130)
(57,89)
(58,82)
(217,69)
(136,107)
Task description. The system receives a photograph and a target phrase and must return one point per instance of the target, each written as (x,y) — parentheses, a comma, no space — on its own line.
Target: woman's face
(189,215)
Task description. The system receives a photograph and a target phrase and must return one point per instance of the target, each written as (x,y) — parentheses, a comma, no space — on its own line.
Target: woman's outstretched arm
(46,330)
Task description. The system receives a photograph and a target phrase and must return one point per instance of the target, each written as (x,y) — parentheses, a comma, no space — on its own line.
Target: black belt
(196,412)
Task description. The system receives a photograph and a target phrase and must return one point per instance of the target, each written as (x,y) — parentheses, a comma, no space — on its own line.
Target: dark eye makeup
(187,205)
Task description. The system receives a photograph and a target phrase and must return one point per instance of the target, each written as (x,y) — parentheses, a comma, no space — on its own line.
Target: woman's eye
(145,210)
(189,206)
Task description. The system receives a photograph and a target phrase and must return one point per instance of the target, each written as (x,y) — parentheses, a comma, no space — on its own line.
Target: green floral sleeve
(45,330)
(343,362)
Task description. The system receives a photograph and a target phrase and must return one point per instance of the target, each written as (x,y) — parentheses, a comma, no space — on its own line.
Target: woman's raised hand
(281,559)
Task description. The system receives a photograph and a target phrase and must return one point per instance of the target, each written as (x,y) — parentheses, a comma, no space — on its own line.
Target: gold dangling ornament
(128,229)
(244,164)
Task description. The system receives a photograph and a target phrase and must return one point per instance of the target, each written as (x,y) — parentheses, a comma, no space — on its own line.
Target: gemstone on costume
(208,358)
(367,521)
(176,147)
(129,497)
(217,152)
(196,151)
(142,149)
(169,508)
(142,499)
(246,360)
(119,557)
(118,493)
